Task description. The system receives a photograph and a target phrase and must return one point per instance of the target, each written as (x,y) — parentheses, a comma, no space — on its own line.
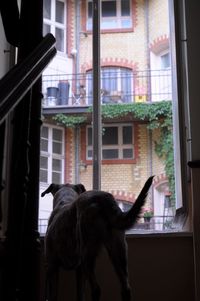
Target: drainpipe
(76,62)
(150,142)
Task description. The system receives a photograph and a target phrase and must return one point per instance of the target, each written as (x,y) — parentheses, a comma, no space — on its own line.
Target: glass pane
(89,136)
(165,61)
(60,12)
(59,39)
(125,7)
(44,145)
(43,176)
(47,9)
(126,23)
(43,162)
(110,153)
(89,153)
(110,136)
(44,132)
(89,9)
(57,165)
(56,178)
(57,148)
(109,8)
(127,134)
(46,29)
(57,135)
(128,153)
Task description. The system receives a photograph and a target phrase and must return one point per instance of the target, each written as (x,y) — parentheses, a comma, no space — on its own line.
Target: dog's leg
(52,283)
(89,253)
(117,251)
(80,284)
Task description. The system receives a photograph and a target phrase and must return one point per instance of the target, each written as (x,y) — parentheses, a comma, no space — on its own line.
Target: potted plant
(148,214)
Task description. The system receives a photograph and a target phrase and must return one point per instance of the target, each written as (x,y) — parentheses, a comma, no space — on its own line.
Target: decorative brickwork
(70,25)
(160,44)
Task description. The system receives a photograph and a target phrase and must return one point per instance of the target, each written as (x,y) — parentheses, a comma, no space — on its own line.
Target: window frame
(50,155)
(118,19)
(57,25)
(120,146)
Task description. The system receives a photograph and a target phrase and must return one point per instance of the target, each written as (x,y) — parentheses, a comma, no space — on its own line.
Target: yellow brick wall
(158,19)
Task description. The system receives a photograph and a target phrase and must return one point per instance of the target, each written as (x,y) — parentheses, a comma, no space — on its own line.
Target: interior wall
(160,268)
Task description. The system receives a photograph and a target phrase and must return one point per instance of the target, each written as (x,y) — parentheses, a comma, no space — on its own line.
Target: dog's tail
(127,219)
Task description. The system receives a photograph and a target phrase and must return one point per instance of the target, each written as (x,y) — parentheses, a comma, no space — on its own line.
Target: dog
(81,223)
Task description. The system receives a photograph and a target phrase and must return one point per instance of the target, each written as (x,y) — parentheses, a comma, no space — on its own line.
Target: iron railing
(76,89)
(157,223)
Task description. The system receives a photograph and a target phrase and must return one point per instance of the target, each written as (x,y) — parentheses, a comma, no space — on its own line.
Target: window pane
(57,165)
(44,132)
(126,23)
(43,176)
(110,136)
(165,61)
(60,12)
(57,135)
(128,153)
(43,162)
(89,154)
(90,9)
(59,39)
(57,148)
(89,136)
(56,178)
(47,9)
(127,134)
(44,145)
(46,29)
(109,8)
(125,7)
(110,153)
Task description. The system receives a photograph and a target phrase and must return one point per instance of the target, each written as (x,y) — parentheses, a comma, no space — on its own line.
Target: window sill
(113,161)
(149,233)
(114,30)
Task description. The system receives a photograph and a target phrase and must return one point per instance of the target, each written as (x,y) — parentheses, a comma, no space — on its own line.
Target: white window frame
(117,21)
(50,155)
(120,146)
(53,24)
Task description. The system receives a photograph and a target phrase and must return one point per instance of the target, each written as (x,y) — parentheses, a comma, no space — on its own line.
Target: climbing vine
(157,114)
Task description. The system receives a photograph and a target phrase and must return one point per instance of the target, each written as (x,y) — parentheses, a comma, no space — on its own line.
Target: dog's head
(53,188)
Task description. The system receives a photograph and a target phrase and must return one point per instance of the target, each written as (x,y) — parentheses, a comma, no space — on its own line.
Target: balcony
(75,90)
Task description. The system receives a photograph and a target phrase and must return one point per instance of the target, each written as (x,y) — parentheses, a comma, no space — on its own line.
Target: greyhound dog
(80,224)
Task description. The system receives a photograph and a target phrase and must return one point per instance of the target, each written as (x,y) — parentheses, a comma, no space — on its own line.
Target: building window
(55,22)
(116,85)
(117,142)
(165,61)
(114,14)
(52,155)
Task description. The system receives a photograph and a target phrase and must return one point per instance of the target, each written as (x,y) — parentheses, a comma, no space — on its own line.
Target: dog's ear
(79,188)
(53,188)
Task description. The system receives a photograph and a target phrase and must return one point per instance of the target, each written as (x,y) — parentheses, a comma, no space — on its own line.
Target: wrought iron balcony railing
(156,223)
(76,89)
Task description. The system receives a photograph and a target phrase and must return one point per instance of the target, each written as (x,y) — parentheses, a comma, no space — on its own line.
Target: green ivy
(70,121)
(158,115)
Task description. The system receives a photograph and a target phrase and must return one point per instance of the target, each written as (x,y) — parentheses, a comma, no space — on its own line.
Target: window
(52,155)
(165,60)
(54,22)
(117,142)
(114,14)
(116,85)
